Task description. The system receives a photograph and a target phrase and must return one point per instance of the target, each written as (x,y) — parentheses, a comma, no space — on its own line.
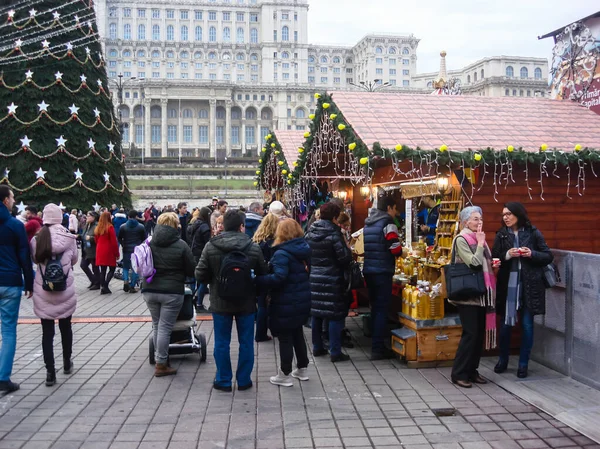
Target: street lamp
(371,86)
(120,84)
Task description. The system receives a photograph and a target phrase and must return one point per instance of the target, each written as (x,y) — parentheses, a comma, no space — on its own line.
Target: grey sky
(467,29)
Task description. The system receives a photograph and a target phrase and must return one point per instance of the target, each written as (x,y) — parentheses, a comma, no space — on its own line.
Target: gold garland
(58,81)
(65,151)
(41,181)
(68,53)
(73,117)
(33,19)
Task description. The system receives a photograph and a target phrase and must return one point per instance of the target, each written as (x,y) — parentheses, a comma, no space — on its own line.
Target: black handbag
(355,279)
(462,281)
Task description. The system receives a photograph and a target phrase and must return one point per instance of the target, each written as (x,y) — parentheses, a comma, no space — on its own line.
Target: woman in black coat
(199,234)
(331,257)
(520,290)
(290,299)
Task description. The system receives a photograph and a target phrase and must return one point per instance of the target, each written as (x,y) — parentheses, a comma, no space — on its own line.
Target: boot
(68,366)
(162,369)
(126,287)
(283,380)
(50,378)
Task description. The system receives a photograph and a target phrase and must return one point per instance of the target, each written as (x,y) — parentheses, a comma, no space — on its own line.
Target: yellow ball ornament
(577,147)
(273,145)
(295,164)
(544,147)
(317,96)
(332,116)
(477,156)
(311,116)
(290,176)
(289,182)
(444,148)
(258,172)
(510,148)
(364,160)
(277,152)
(268,136)
(352,146)
(284,172)
(399,147)
(263,149)
(300,150)
(326,105)
(341,127)
(255,183)
(280,163)
(306,135)
(260,161)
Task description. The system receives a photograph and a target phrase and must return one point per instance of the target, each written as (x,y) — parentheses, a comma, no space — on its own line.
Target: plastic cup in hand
(495,262)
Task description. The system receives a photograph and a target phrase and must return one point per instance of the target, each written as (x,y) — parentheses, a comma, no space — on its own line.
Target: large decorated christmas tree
(59,139)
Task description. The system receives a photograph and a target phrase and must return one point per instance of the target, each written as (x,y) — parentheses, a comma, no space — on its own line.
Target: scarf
(489,299)
(513,293)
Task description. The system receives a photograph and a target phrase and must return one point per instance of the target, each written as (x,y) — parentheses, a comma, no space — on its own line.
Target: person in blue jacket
(289,309)
(15,265)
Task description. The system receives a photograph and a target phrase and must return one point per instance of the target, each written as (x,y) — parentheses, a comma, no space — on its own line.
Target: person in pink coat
(51,241)
(107,251)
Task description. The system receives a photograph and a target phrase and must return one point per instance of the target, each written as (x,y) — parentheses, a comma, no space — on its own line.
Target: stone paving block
(477,445)
(535,443)
(559,442)
(504,444)
(298,443)
(446,446)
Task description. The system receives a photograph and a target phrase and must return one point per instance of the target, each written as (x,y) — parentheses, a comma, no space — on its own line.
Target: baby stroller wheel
(151,358)
(202,340)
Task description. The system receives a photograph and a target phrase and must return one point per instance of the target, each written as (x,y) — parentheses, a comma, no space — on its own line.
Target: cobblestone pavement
(112,399)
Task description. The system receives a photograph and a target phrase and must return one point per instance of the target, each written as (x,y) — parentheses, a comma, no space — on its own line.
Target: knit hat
(278,209)
(52,214)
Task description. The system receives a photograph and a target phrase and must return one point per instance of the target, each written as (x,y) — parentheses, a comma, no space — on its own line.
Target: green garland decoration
(271,146)
(443,155)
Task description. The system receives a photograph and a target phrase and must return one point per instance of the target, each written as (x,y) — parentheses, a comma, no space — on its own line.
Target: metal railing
(567,337)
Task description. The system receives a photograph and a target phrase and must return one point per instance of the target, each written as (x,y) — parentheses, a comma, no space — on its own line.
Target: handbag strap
(453,259)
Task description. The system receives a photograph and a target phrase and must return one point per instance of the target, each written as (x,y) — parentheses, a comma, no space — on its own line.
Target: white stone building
(497,76)
(213,77)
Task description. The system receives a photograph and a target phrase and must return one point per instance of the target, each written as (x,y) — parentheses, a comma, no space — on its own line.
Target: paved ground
(113,401)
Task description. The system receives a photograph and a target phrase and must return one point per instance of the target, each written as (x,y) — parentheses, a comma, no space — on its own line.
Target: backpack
(142,262)
(235,276)
(54,278)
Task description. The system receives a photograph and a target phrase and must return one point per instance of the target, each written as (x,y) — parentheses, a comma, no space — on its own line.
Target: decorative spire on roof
(443,85)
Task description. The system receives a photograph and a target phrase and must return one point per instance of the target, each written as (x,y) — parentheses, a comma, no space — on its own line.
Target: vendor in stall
(429,217)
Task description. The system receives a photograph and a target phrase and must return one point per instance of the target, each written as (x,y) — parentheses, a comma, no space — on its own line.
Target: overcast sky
(467,29)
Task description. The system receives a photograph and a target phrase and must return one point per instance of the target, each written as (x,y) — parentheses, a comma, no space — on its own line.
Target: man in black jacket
(131,234)
(382,246)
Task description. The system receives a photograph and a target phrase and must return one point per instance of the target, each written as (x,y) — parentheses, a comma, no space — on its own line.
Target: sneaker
(50,378)
(341,357)
(7,386)
(245,387)
(282,380)
(68,366)
(227,389)
(300,373)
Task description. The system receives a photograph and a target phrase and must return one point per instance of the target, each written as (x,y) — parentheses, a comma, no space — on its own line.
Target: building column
(147,129)
(212,128)
(243,136)
(228,104)
(131,128)
(163,127)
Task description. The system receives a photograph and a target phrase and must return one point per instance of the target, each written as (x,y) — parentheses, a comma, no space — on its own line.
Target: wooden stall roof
(290,141)
(468,122)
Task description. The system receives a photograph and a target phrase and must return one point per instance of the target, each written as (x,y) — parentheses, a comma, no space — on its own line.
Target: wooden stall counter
(427,343)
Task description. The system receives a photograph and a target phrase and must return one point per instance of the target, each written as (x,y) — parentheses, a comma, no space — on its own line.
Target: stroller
(185,338)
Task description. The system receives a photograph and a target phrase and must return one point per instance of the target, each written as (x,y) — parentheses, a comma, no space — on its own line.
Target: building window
(198,34)
(212,34)
(250,135)
(510,71)
(156,13)
(187,113)
(468,79)
(235,135)
(155,32)
(300,113)
(112,31)
(155,133)
(379,50)
(170,13)
(240,36)
(170,33)
(524,72)
(323,69)
(126,12)
(203,134)
(514,92)
(274,35)
(379,61)
(141,13)
(406,72)
(285,34)
(239,16)
(226,34)
(392,82)
(112,12)
(392,61)
(219,134)
(324,79)
(521,93)
(405,62)
(506,92)
(482,73)
(127,32)
(324,60)
(264,131)
(254,36)
(537,73)
(406,83)
(529,93)
(184,14)
(475,77)
(226,16)
(125,133)
(392,50)
(184,33)
(392,71)
(212,15)
(139,134)
(311,79)
(253,17)
(198,15)
(379,71)
(187,134)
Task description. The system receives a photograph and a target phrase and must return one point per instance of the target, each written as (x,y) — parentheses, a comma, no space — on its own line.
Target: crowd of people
(259,269)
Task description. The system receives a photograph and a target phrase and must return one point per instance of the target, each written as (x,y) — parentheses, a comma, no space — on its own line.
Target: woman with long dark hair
(199,235)
(88,250)
(107,251)
(53,241)
(523,254)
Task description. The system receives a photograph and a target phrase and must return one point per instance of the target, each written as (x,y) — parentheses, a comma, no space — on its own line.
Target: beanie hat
(278,209)
(52,214)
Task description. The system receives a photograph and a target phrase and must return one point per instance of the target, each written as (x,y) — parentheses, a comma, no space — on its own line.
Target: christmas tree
(60,139)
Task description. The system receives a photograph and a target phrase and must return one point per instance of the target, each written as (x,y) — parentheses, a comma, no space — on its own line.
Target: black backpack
(235,276)
(54,278)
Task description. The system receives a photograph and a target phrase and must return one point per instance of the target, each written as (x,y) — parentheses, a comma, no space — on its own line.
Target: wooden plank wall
(567,224)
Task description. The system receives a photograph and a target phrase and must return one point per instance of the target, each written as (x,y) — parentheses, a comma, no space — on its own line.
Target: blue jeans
(245,329)
(526,319)
(126,268)
(380,295)
(201,291)
(262,318)
(335,335)
(10,300)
